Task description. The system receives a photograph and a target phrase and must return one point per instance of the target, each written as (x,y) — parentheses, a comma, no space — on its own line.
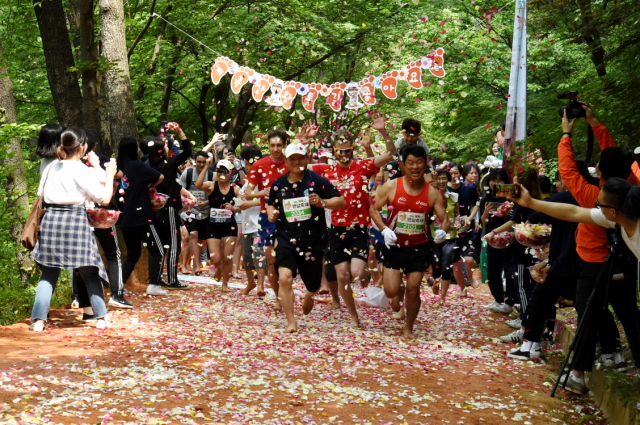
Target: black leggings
(443,259)
(543,300)
(133,237)
(497,261)
(622,297)
(168,221)
(108,239)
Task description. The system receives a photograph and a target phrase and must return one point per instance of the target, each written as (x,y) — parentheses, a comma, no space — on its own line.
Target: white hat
(295,149)
(225,163)
(637,150)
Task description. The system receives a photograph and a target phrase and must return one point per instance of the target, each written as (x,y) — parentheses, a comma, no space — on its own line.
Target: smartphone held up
(506,191)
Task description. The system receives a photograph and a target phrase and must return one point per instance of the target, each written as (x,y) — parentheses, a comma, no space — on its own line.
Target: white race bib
(410,223)
(297,209)
(220,215)
(200,195)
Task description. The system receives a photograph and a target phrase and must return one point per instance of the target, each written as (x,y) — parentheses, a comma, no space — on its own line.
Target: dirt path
(202,357)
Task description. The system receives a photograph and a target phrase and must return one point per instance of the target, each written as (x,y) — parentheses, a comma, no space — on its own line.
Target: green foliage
(16,298)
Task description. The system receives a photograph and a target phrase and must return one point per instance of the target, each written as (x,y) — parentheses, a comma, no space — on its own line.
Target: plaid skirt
(66,240)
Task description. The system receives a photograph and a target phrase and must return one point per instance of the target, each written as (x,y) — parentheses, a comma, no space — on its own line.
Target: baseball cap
(637,150)
(225,163)
(295,149)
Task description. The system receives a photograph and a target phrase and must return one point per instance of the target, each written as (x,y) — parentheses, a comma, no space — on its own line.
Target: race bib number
(383,213)
(410,223)
(199,195)
(297,209)
(220,215)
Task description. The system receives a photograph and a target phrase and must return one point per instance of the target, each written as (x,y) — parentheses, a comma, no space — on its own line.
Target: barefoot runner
(222,229)
(262,174)
(349,238)
(410,200)
(296,205)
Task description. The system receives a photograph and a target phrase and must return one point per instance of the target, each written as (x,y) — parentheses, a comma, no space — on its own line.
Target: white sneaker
(155,290)
(515,337)
(37,326)
(490,306)
(102,323)
(605,361)
(515,323)
(503,308)
(576,385)
(524,355)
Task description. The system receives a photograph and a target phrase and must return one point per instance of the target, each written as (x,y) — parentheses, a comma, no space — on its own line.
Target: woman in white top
(48,142)
(65,239)
(618,203)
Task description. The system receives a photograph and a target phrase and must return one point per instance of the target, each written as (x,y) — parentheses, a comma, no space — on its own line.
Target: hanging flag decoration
(359,94)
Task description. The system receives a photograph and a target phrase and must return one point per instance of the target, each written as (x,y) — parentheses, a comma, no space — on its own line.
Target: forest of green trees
(121,67)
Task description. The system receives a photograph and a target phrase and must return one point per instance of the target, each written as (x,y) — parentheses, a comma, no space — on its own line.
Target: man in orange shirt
(592,247)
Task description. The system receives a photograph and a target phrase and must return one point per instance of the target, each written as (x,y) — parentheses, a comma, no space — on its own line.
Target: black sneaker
(176,285)
(162,283)
(119,302)
(88,317)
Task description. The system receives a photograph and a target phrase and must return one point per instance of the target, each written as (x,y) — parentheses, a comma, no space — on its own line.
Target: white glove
(440,237)
(237,164)
(390,237)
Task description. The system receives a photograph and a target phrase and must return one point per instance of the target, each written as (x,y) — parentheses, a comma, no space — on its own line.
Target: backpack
(190,177)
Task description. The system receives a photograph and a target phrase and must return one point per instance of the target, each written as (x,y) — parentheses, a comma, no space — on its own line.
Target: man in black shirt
(296,203)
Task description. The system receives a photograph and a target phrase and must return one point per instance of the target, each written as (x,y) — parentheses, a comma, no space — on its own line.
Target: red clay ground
(199,356)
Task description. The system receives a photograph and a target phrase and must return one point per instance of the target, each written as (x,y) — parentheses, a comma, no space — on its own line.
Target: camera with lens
(574,108)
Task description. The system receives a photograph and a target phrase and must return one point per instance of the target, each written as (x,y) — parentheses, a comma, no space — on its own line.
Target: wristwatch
(323,203)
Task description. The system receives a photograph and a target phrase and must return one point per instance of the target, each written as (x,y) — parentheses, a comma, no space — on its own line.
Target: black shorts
(379,248)
(198,226)
(464,243)
(309,266)
(222,230)
(409,260)
(329,269)
(349,242)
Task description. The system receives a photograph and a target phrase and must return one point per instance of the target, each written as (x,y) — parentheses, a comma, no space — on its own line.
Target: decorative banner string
(188,35)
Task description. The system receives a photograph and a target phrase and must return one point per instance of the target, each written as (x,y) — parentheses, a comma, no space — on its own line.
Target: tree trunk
(89,57)
(59,57)
(16,183)
(168,82)
(122,113)
(202,111)
(591,36)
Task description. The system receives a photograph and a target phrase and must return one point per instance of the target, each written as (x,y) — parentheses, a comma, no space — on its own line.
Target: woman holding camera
(65,239)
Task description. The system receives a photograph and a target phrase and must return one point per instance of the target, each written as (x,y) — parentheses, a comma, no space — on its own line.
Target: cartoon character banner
(357,94)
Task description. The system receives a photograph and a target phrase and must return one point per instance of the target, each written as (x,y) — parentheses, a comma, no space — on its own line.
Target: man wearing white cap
(296,204)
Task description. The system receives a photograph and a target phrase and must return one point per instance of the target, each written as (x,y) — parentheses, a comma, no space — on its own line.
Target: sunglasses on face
(344,151)
(600,206)
(222,171)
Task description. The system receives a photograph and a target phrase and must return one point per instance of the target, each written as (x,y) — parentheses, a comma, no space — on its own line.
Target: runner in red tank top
(410,201)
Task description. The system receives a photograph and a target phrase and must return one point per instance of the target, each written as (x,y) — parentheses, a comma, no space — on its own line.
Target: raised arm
(200,183)
(566,212)
(216,138)
(366,143)
(379,124)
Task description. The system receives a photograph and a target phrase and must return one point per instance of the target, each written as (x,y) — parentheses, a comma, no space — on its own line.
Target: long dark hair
(70,140)
(49,140)
(127,151)
(528,177)
(624,196)
(156,152)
